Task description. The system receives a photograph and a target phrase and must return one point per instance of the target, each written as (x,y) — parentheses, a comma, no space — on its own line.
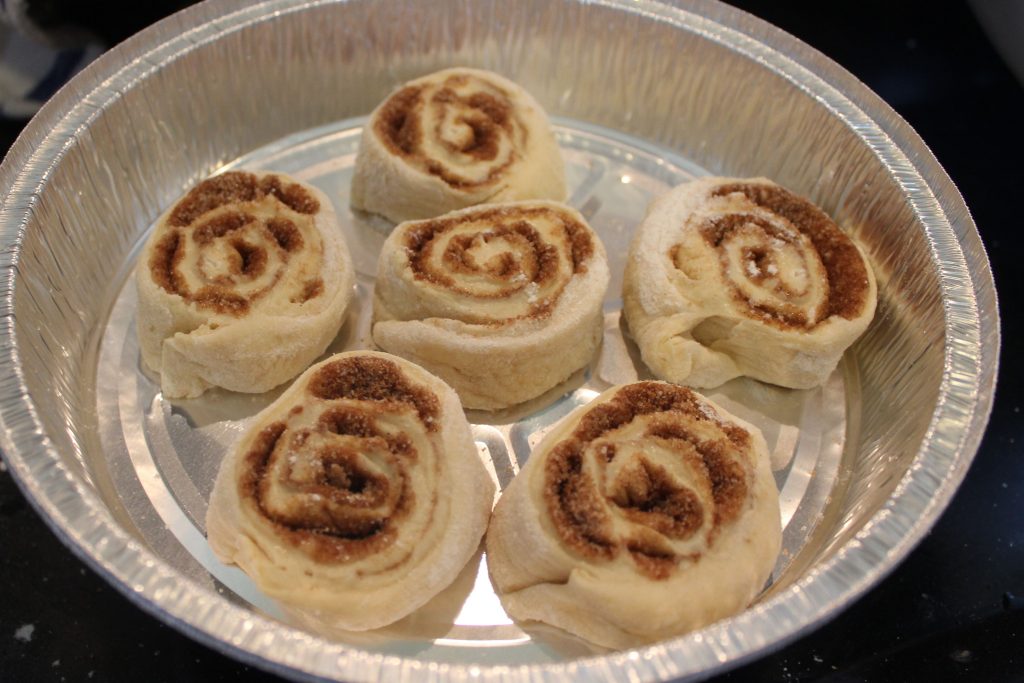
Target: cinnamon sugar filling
(641,491)
(317,484)
(845,270)
(367,378)
(529,258)
(485,117)
(248,239)
(239,186)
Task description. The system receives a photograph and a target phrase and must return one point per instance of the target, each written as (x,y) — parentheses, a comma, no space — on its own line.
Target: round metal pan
(644,96)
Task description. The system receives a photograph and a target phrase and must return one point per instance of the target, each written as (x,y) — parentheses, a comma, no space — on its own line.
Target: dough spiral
(645,514)
(356,496)
(728,277)
(243,283)
(501,301)
(454,139)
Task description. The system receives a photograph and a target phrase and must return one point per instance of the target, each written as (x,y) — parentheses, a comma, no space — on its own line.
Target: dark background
(953,610)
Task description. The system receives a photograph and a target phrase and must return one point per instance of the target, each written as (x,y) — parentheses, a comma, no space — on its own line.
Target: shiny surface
(903,211)
(162,455)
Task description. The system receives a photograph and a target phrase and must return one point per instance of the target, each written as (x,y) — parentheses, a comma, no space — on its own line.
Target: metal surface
(645,95)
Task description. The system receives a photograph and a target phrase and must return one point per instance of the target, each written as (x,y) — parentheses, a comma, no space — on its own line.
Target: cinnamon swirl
(243,283)
(454,139)
(728,277)
(356,496)
(643,515)
(501,301)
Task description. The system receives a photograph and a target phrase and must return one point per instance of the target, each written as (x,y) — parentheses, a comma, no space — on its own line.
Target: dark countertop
(953,610)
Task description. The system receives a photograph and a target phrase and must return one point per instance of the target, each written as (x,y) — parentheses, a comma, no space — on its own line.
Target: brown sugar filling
(653,560)
(648,496)
(575,506)
(221,300)
(845,268)
(398,122)
(490,117)
(292,195)
(252,260)
(582,245)
(286,233)
(163,263)
(369,378)
(312,289)
(353,422)
(239,186)
(219,226)
(645,493)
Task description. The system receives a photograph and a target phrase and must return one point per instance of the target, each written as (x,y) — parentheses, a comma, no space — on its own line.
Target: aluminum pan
(69,148)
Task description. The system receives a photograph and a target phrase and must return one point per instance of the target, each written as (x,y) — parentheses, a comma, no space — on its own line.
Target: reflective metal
(644,96)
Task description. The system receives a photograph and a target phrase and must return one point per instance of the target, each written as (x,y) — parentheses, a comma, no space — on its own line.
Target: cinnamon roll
(243,283)
(643,515)
(356,496)
(454,139)
(728,277)
(502,301)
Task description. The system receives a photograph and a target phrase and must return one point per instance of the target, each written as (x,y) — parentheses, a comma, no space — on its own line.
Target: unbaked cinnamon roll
(356,496)
(645,514)
(243,283)
(501,301)
(454,139)
(728,277)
